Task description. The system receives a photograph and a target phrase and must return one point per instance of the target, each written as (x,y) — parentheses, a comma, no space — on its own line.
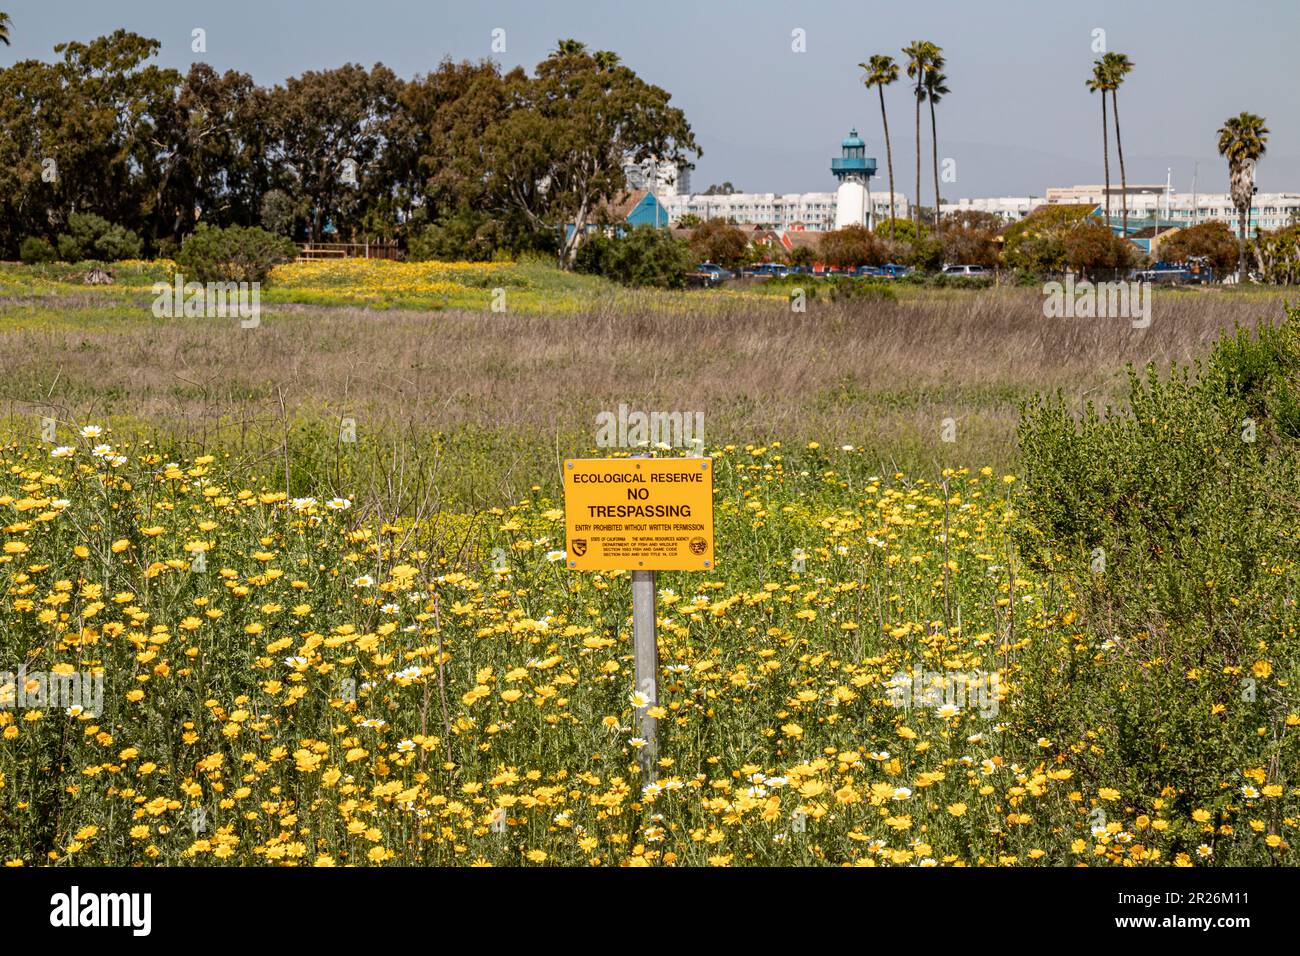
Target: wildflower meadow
(864,679)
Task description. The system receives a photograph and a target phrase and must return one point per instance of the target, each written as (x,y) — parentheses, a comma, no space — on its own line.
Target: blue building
(636,207)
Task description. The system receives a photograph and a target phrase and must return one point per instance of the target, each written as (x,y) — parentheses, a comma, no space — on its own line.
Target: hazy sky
(1018,119)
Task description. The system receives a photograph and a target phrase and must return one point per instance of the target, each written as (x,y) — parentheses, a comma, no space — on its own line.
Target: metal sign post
(644,515)
(645,648)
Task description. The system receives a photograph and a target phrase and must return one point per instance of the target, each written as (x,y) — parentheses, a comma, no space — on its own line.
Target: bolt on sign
(639,514)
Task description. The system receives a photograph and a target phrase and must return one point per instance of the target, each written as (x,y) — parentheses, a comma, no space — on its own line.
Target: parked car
(1163,274)
(868,271)
(967,272)
(765,270)
(1196,269)
(709,274)
(892,270)
(715,269)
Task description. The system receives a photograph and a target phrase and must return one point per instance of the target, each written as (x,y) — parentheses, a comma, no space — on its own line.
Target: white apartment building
(1009,208)
(663,179)
(1157,201)
(812,211)
(1150,202)
(1267,211)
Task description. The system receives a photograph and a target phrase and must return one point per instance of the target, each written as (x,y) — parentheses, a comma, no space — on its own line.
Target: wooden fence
(347,250)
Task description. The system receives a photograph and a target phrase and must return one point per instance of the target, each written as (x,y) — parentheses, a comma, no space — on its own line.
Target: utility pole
(1196,211)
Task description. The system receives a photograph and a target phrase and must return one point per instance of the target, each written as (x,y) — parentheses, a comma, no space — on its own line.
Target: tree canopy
(351,153)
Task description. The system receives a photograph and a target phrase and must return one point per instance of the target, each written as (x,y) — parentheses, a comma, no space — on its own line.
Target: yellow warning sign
(639,514)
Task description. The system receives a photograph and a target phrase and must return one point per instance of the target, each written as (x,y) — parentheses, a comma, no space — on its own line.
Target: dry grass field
(504,395)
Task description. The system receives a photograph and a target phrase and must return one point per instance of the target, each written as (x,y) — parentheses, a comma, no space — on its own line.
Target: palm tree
(935,90)
(1242,140)
(1101,83)
(565,48)
(881,71)
(919,54)
(605,60)
(1118,66)
(4,28)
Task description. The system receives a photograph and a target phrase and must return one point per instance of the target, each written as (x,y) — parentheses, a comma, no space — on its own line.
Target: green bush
(465,237)
(845,289)
(905,230)
(1276,252)
(36,249)
(645,256)
(1175,522)
(233,254)
(937,280)
(93,237)
(926,255)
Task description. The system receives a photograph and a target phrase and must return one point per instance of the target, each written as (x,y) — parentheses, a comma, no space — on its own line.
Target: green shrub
(464,237)
(233,254)
(937,280)
(1174,521)
(645,256)
(1276,252)
(36,249)
(93,237)
(926,255)
(905,230)
(845,289)
(168,248)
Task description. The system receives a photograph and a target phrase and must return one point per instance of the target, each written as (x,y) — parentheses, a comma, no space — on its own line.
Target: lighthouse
(854,169)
